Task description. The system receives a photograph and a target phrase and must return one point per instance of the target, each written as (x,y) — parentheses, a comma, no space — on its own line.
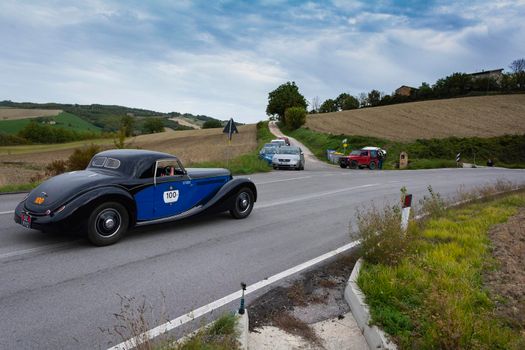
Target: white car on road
(289,157)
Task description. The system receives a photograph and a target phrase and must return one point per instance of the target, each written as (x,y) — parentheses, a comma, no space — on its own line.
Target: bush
(209,124)
(11,140)
(80,158)
(153,125)
(39,133)
(295,117)
(382,239)
(58,166)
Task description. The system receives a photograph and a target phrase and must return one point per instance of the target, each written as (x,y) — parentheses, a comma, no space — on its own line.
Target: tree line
(289,106)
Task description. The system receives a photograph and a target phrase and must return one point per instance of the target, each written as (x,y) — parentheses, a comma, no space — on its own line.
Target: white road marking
(192,315)
(289,179)
(35,250)
(7,212)
(311,196)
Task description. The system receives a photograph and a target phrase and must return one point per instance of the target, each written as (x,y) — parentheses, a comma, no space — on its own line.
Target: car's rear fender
(81,207)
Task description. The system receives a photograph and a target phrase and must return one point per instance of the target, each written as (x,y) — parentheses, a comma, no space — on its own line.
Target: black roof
(134,161)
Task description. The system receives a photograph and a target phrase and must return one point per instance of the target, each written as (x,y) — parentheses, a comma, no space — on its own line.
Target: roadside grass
(434,296)
(507,150)
(18,187)
(220,335)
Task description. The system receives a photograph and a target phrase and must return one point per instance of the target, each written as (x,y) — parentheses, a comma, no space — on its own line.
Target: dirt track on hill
(482,116)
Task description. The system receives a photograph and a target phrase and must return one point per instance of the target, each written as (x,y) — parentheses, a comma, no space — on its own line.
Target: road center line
(192,315)
(6,212)
(289,179)
(311,196)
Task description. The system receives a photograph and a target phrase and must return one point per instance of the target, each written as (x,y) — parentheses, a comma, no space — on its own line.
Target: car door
(173,189)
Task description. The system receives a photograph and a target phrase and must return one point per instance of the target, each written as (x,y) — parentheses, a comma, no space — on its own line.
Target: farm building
(405,90)
(495,74)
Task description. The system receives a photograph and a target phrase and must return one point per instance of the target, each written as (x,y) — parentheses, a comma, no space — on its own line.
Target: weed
(382,239)
(433,205)
(220,335)
(293,325)
(81,157)
(58,166)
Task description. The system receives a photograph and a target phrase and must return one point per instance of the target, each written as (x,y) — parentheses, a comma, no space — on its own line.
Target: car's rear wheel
(353,164)
(342,165)
(243,203)
(372,165)
(107,223)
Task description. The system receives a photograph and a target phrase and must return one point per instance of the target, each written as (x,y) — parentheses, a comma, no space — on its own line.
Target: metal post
(241,308)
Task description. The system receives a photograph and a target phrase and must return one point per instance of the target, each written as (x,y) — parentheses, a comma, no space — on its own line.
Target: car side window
(168,168)
(373,154)
(364,153)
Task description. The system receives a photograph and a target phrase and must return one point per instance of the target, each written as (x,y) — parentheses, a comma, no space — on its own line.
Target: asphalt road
(58,291)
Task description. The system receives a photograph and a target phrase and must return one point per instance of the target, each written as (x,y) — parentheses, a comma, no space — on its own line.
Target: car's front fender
(223,199)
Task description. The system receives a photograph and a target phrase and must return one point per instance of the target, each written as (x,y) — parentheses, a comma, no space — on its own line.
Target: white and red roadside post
(405,211)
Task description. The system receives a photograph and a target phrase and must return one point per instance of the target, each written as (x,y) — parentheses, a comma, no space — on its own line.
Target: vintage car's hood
(59,189)
(200,173)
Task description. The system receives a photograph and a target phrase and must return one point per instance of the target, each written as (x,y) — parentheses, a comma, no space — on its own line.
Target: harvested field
(191,146)
(482,116)
(7,113)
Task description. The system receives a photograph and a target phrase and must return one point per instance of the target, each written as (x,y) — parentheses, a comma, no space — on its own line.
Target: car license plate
(25,220)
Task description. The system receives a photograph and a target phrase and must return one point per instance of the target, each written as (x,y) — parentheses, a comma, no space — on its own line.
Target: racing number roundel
(171,196)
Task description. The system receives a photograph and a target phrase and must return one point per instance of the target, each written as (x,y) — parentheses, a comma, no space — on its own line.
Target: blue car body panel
(151,201)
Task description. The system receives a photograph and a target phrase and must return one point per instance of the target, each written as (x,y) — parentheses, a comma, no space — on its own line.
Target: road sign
(230,128)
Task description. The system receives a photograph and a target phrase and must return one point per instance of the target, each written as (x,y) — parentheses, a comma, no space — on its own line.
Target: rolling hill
(482,116)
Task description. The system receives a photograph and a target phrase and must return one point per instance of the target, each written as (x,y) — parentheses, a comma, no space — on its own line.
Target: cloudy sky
(221,58)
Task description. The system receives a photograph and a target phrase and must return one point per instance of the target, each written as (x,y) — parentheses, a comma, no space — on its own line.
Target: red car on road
(363,158)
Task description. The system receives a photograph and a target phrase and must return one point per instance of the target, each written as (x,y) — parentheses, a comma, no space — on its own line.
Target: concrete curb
(16,192)
(242,328)
(375,337)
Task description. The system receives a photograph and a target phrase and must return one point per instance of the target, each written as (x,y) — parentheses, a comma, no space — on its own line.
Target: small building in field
(495,74)
(405,90)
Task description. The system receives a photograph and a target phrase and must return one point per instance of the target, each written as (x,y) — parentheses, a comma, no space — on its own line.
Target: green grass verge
(507,151)
(434,298)
(247,163)
(18,187)
(220,335)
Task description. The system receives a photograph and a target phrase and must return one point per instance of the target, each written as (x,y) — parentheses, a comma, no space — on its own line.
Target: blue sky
(221,58)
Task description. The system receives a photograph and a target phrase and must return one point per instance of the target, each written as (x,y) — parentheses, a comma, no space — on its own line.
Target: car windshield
(269,150)
(289,150)
(355,153)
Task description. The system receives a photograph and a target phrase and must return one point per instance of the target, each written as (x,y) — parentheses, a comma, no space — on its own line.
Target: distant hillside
(482,116)
(107,117)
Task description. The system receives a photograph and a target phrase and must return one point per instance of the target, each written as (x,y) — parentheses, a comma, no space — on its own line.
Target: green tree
(374,98)
(213,123)
(424,91)
(285,96)
(153,125)
(328,106)
(346,101)
(295,117)
(518,68)
(128,123)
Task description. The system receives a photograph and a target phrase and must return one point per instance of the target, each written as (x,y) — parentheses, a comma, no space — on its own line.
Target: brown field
(7,113)
(19,163)
(482,116)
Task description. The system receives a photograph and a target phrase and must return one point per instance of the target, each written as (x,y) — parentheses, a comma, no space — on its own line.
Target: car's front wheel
(243,203)
(107,223)
(354,164)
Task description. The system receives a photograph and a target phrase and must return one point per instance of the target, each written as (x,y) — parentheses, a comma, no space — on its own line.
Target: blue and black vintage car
(126,188)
